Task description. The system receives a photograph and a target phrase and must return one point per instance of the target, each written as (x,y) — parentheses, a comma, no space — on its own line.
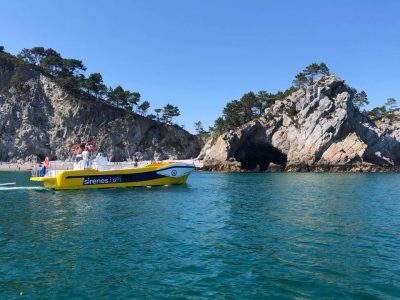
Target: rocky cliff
(37,117)
(317,128)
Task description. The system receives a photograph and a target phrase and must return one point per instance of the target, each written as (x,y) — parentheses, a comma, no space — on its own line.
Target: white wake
(17,188)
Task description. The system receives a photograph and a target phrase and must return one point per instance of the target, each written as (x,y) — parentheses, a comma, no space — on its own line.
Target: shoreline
(300,168)
(363,168)
(16,167)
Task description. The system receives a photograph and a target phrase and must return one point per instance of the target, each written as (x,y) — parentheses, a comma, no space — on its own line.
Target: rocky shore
(315,129)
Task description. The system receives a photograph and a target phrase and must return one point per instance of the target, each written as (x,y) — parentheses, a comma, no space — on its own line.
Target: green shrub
(15,80)
(292,111)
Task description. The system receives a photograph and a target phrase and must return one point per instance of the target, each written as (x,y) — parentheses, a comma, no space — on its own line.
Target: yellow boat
(98,173)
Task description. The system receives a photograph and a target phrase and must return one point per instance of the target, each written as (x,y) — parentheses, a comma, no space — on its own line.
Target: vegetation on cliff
(47,105)
(252,105)
(316,128)
(69,73)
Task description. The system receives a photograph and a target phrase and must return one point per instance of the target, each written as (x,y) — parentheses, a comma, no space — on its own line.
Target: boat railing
(121,165)
(35,171)
(56,167)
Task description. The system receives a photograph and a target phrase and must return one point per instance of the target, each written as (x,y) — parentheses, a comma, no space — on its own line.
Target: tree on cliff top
(323,69)
(123,98)
(52,62)
(71,67)
(118,96)
(391,103)
(143,108)
(33,56)
(314,69)
(264,100)
(157,113)
(133,99)
(388,110)
(94,85)
(360,99)
(300,80)
(251,106)
(170,112)
(198,126)
(311,71)
(69,73)
(219,126)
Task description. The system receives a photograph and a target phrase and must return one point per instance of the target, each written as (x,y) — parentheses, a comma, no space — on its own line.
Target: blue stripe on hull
(118,178)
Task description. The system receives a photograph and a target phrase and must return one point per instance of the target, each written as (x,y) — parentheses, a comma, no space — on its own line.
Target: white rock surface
(325,131)
(45,120)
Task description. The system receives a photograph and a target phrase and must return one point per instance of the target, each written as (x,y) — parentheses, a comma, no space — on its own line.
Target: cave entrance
(254,157)
(255,152)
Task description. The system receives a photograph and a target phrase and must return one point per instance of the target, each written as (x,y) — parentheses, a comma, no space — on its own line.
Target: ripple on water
(220,236)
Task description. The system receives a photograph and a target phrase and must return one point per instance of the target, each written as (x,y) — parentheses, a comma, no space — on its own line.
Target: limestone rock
(315,128)
(45,120)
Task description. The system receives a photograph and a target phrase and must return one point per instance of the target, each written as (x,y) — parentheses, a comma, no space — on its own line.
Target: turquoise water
(234,236)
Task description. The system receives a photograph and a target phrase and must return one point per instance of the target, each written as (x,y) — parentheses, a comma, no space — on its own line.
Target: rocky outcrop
(40,118)
(317,128)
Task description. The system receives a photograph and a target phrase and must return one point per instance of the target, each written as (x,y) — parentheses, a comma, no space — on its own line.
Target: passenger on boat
(82,143)
(46,166)
(42,171)
(86,160)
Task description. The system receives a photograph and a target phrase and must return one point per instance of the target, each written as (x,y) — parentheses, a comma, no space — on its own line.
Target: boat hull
(151,175)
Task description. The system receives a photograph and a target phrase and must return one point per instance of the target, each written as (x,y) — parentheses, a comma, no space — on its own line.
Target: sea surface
(221,236)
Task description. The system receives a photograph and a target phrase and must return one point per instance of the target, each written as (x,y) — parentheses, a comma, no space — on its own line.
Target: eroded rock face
(45,120)
(315,128)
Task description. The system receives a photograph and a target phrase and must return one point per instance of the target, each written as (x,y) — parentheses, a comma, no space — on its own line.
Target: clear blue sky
(201,54)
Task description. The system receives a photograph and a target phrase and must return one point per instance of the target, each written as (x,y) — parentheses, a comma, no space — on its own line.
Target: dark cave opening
(259,156)
(255,152)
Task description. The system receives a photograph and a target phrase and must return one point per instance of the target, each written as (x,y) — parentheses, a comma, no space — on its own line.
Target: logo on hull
(102,180)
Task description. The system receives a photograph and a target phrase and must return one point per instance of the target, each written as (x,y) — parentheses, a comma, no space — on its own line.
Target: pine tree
(323,69)
(360,99)
(300,80)
(33,56)
(158,112)
(170,112)
(132,99)
(198,126)
(391,103)
(94,85)
(311,71)
(142,108)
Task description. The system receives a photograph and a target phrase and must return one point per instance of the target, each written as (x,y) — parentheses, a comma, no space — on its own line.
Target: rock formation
(40,118)
(317,128)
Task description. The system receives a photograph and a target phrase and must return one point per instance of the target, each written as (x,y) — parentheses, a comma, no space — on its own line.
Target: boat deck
(57,166)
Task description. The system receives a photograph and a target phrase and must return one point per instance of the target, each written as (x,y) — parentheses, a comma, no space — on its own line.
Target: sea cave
(255,152)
